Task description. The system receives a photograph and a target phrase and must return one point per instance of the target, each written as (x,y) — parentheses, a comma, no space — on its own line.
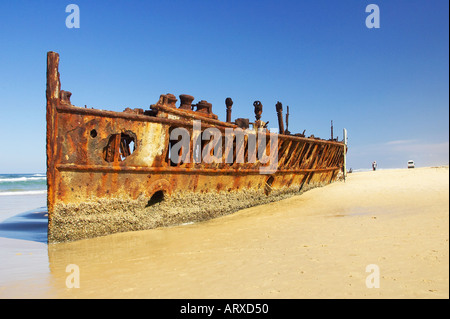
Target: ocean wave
(361,170)
(21,179)
(34,192)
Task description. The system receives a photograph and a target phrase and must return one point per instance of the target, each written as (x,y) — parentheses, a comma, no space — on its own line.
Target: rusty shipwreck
(110,172)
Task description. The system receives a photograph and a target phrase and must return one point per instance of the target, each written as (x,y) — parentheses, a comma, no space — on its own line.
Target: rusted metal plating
(94,154)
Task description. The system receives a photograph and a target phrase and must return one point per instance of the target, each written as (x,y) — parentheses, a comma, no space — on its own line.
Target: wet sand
(316,245)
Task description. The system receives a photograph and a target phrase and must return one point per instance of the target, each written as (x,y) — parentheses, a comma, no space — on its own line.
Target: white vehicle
(410,164)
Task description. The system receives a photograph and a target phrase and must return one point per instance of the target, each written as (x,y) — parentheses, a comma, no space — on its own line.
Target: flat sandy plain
(315,245)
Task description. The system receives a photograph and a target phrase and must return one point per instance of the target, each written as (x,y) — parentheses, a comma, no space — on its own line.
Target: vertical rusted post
(287,119)
(345,153)
(52,95)
(116,149)
(258,109)
(229,104)
(279,108)
(53,84)
(331,129)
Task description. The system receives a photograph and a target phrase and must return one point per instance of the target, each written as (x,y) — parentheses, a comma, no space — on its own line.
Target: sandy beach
(316,245)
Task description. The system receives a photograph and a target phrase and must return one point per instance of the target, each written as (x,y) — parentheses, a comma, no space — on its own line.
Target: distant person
(374,165)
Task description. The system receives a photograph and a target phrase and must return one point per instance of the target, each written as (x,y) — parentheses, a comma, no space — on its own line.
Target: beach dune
(381,234)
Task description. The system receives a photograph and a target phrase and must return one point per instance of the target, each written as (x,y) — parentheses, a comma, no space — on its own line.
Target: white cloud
(401,142)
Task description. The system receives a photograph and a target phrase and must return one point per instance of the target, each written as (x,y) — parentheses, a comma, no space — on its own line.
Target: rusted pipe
(331,129)
(229,104)
(287,120)
(279,108)
(184,170)
(258,109)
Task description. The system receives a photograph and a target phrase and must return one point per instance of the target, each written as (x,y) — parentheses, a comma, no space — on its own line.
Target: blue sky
(387,86)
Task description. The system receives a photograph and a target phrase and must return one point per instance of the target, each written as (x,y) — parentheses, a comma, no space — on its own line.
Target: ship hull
(111,172)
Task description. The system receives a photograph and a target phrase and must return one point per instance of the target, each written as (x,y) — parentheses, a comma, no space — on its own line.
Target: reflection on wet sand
(31,225)
(159,263)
